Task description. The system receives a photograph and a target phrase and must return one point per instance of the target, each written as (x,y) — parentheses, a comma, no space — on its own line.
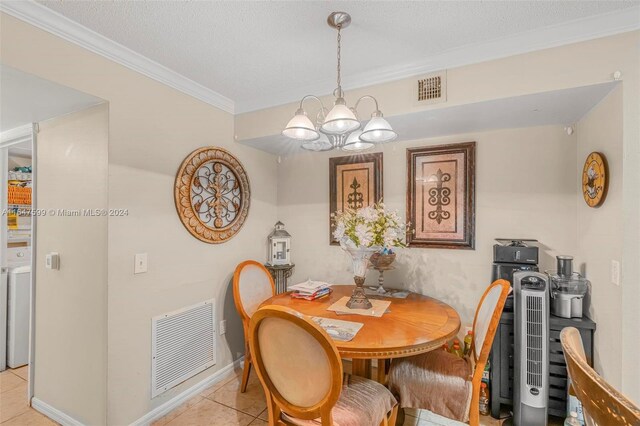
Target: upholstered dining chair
(601,403)
(252,285)
(444,383)
(301,372)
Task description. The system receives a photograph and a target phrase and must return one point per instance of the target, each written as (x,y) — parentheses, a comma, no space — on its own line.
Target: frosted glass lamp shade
(353,143)
(340,120)
(301,128)
(320,144)
(378,130)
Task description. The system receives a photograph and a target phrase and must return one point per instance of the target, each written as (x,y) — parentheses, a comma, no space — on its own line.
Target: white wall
(525,187)
(600,232)
(71,304)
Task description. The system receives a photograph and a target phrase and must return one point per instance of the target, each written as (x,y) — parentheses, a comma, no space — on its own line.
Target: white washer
(18,306)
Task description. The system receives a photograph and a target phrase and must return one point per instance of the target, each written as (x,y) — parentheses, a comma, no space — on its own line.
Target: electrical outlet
(223,327)
(140,263)
(615,272)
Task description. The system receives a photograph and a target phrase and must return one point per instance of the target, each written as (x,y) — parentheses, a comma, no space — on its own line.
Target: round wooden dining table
(413,325)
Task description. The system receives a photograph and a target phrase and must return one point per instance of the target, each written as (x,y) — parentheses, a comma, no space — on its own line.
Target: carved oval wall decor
(212,194)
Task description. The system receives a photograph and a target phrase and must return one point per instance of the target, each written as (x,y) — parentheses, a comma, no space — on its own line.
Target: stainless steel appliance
(531,348)
(568,289)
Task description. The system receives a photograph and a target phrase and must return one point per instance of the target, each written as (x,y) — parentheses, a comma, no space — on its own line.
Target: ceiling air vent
(432,88)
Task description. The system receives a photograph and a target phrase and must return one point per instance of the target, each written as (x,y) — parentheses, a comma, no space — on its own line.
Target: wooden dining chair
(602,404)
(252,285)
(444,383)
(301,372)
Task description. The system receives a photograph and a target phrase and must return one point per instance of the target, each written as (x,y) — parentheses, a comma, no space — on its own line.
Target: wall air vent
(432,88)
(183,343)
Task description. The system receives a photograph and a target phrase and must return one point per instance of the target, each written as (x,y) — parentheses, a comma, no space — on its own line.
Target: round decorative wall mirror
(212,194)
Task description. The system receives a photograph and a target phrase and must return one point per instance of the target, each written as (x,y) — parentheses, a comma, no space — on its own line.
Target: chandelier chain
(339,48)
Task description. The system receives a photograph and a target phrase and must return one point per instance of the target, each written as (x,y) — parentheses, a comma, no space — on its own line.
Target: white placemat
(377,309)
(343,331)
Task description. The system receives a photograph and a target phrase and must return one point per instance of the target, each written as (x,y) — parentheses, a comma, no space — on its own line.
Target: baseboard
(185,395)
(53,413)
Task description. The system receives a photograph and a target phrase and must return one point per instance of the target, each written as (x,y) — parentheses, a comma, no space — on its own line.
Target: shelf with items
(19,195)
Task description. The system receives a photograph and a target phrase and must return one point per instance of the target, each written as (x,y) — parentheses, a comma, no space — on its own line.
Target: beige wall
(152,128)
(71,304)
(600,232)
(525,187)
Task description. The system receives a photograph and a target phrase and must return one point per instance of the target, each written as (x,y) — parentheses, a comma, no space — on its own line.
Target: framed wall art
(354,182)
(212,194)
(441,196)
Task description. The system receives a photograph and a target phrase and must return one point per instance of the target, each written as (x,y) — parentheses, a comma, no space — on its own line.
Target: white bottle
(572,420)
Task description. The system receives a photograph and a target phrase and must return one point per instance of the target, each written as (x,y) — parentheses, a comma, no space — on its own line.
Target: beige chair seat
(362,402)
(436,381)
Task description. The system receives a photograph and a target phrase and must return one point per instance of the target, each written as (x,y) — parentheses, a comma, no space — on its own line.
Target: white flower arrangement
(371,226)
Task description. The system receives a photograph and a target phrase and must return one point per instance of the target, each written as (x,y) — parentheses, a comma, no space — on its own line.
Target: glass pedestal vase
(360,258)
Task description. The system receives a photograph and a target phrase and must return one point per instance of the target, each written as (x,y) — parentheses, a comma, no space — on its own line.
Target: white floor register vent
(183,344)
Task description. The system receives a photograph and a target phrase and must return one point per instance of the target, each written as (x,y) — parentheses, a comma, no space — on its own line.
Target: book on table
(310,290)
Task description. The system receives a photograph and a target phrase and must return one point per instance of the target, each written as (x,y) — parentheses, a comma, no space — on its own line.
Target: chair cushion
(362,402)
(436,381)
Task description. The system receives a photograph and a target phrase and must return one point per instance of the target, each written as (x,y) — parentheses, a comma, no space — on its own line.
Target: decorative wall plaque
(355,181)
(441,196)
(212,194)
(594,179)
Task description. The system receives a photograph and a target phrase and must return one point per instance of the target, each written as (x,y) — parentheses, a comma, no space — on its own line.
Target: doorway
(28,104)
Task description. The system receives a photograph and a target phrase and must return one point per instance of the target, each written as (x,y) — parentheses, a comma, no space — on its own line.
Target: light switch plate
(140,263)
(52,261)
(615,272)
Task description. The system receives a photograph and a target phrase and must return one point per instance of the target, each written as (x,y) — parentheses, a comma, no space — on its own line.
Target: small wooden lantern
(279,246)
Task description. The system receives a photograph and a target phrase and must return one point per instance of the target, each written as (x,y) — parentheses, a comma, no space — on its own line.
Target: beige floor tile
(264,415)
(251,402)
(30,418)
(234,375)
(9,381)
(176,412)
(22,372)
(210,413)
(259,422)
(13,402)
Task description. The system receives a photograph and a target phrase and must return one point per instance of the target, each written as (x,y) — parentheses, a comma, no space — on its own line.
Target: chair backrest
(485,324)
(487,317)
(601,403)
(252,285)
(297,362)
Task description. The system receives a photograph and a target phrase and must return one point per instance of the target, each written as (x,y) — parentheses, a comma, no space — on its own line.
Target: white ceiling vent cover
(183,343)
(432,88)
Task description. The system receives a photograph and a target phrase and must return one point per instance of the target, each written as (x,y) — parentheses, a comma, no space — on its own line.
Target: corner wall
(600,233)
(71,303)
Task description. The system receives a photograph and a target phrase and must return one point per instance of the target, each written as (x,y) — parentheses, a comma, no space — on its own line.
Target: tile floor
(220,405)
(14,409)
(223,404)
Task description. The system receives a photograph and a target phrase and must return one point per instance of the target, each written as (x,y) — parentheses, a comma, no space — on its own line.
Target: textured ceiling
(259,49)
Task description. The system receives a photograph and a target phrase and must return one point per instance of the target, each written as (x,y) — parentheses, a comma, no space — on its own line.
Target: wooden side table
(280,274)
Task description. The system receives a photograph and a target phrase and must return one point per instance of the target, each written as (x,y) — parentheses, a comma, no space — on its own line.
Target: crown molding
(63,27)
(589,28)
(575,31)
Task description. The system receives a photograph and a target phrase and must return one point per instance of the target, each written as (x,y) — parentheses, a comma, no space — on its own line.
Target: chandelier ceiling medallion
(340,127)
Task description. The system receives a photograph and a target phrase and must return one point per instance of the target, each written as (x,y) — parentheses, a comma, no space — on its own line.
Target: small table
(280,274)
(412,326)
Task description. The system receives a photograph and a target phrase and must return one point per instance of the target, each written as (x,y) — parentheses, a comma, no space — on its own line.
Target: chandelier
(340,127)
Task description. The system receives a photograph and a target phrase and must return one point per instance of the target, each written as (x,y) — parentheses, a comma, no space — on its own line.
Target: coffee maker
(512,255)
